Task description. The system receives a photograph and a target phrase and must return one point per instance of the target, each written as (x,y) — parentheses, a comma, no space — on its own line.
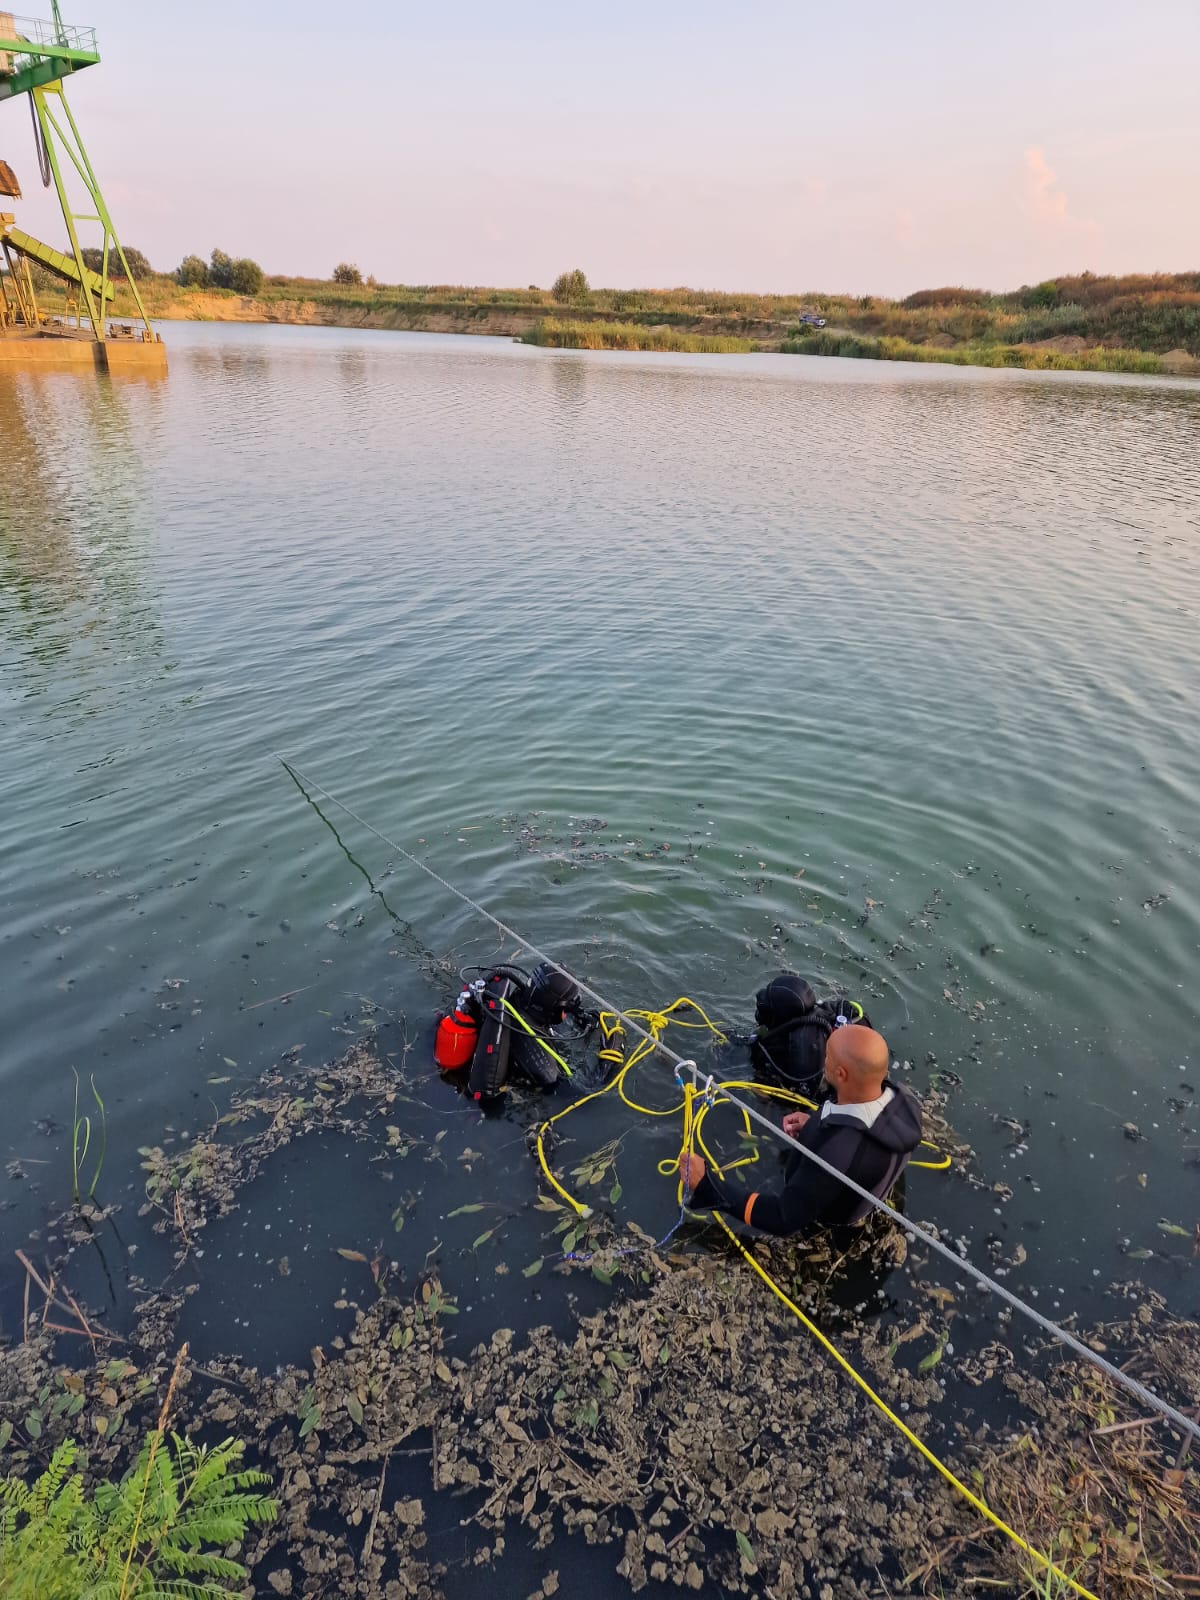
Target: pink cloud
(1045,197)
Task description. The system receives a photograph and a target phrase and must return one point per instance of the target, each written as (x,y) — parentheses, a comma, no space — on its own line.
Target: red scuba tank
(454,1045)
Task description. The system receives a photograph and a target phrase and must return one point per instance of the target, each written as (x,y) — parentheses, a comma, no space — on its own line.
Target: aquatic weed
(81,1139)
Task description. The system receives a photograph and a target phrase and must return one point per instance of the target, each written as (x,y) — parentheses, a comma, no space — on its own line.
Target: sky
(761,146)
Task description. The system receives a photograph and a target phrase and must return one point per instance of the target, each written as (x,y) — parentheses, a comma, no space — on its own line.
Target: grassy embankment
(1137,323)
(1030,357)
(555,335)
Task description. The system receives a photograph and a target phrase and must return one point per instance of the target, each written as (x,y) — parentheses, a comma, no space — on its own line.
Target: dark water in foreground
(692,668)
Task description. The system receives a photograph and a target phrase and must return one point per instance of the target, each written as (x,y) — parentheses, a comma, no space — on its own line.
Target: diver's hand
(691,1170)
(793,1123)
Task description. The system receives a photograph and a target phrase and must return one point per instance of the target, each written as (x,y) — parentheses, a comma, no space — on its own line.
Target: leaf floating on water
(229,1061)
(443,1372)
(746,1549)
(351,1255)
(219,1080)
(1173,1227)
(927,1363)
(602,1273)
(483,1238)
(465,1211)
(354,1407)
(614,1194)
(534,1267)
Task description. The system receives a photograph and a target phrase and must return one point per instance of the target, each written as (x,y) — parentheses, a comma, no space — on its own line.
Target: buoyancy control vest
(794,1028)
(514,1012)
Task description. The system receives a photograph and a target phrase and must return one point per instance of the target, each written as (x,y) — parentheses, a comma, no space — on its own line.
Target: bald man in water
(867,1128)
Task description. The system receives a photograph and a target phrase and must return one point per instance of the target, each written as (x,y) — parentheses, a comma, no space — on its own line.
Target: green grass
(1027,357)
(554,335)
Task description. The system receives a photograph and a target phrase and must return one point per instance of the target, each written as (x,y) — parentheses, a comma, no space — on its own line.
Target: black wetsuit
(811,1198)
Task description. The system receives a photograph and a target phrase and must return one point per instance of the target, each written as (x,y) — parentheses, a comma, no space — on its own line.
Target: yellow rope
(656,1023)
(612,1029)
(981,1506)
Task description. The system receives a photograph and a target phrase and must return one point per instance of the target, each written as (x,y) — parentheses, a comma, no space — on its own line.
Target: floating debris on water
(688,1427)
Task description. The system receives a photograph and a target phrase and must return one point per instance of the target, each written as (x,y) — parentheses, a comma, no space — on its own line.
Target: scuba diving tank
(458,1033)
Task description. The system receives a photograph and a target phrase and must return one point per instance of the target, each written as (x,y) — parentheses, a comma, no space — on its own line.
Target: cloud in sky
(1045,197)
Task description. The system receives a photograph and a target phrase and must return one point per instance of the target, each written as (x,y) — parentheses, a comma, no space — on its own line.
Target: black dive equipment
(514,1013)
(794,1028)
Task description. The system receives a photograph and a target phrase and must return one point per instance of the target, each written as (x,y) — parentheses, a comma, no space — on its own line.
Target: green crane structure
(35,57)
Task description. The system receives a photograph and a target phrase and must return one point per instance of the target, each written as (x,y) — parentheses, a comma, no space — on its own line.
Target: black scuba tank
(545,1001)
(490,1063)
(794,1028)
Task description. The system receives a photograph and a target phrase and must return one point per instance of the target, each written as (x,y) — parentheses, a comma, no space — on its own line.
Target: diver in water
(793,1030)
(867,1127)
(504,1022)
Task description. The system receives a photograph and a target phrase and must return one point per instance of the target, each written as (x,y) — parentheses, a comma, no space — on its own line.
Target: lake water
(692,668)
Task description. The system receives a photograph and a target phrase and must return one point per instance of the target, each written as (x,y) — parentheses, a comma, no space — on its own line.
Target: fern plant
(144,1538)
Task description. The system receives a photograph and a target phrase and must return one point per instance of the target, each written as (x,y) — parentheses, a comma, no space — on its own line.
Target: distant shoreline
(953,332)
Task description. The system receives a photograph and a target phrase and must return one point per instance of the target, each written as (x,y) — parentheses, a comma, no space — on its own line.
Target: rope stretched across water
(702,1080)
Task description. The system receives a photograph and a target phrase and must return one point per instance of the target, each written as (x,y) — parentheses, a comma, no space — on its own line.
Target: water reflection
(75,536)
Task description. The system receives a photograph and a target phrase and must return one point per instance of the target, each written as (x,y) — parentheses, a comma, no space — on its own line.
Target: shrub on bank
(571,288)
(161,1530)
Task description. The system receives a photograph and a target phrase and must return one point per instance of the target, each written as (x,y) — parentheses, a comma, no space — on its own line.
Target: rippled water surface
(692,668)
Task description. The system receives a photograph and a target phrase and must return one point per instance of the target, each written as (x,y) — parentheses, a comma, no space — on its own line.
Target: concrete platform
(63,350)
